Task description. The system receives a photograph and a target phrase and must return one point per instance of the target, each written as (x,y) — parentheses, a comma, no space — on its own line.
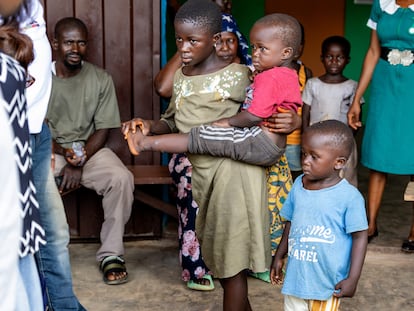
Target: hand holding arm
(347,287)
(283,122)
(131,126)
(147,127)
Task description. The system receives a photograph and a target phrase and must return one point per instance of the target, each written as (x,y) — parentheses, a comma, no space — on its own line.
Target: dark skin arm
(347,287)
(305,116)
(242,119)
(71,172)
(371,58)
(276,269)
(283,122)
(163,82)
(148,127)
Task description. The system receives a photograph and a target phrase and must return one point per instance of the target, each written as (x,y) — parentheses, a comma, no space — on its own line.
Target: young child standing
(325,235)
(329,96)
(275,40)
(233,222)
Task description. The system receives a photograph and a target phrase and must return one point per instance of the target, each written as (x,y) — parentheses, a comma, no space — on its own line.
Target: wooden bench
(409,192)
(85,215)
(152,175)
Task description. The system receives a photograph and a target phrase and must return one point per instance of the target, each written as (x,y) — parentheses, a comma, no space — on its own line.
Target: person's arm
(283,122)
(244,119)
(347,287)
(276,269)
(305,116)
(147,127)
(370,61)
(95,142)
(163,81)
(72,172)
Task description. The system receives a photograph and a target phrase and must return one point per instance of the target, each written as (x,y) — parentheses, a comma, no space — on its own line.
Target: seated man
(82,109)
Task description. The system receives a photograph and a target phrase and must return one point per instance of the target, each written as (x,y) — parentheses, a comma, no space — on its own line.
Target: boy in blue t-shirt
(325,235)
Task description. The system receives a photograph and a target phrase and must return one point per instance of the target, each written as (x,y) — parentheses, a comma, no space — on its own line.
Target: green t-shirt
(203,99)
(82,104)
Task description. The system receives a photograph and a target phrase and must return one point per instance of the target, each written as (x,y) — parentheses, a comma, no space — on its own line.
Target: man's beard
(72,66)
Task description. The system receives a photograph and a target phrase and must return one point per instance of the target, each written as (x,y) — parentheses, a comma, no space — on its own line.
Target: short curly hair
(338,134)
(68,23)
(286,28)
(202,13)
(339,40)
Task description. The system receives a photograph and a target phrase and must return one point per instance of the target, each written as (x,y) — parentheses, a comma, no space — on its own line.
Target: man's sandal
(113,264)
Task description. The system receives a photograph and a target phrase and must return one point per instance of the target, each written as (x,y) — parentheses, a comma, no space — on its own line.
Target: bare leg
(172,143)
(408,245)
(411,235)
(235,293)
(376,187)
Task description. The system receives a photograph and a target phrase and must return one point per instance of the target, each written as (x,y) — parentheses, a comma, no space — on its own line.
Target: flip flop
(113,264)
(264,276)
(193,285)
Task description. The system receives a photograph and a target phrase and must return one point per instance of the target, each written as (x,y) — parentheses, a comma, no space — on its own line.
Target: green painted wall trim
(358,33)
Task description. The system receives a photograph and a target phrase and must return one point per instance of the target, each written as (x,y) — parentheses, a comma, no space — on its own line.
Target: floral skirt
(192,263)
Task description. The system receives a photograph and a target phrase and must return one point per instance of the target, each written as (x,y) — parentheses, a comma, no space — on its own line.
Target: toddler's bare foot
(134,139)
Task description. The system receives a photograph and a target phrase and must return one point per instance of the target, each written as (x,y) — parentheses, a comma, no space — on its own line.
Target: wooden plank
(91,13)
(156,203)
(409,192)
(150,174)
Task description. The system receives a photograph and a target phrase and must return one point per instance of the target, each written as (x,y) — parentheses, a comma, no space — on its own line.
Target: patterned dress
(12,84)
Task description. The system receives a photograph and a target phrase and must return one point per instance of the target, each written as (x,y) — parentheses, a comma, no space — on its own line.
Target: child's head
(326,146)
(197,27)
(302,42)
(335,54)
(17,45)
(275,41)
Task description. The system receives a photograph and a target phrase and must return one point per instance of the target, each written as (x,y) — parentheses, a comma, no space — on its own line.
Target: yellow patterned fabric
(294,138)
(279,183)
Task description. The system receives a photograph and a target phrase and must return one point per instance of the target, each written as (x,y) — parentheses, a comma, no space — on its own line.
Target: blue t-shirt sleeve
(355,215)
(287,209)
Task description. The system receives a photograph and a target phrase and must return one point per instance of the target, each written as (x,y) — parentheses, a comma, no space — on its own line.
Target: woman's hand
(354,113)
(283,122)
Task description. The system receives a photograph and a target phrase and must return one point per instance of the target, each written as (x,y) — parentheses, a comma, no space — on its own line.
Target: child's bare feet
(134,138)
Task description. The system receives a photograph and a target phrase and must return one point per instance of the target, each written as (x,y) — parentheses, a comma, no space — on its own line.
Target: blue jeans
(29,292)
(53,258)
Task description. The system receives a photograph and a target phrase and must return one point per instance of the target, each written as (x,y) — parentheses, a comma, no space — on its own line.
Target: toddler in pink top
(275,40)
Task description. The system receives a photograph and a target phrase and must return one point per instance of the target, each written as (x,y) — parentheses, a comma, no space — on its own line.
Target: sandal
(113,264)
(408,246)
(264,276)
(196,286)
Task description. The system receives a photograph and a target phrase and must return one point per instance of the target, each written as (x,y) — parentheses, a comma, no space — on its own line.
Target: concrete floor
(386,284)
